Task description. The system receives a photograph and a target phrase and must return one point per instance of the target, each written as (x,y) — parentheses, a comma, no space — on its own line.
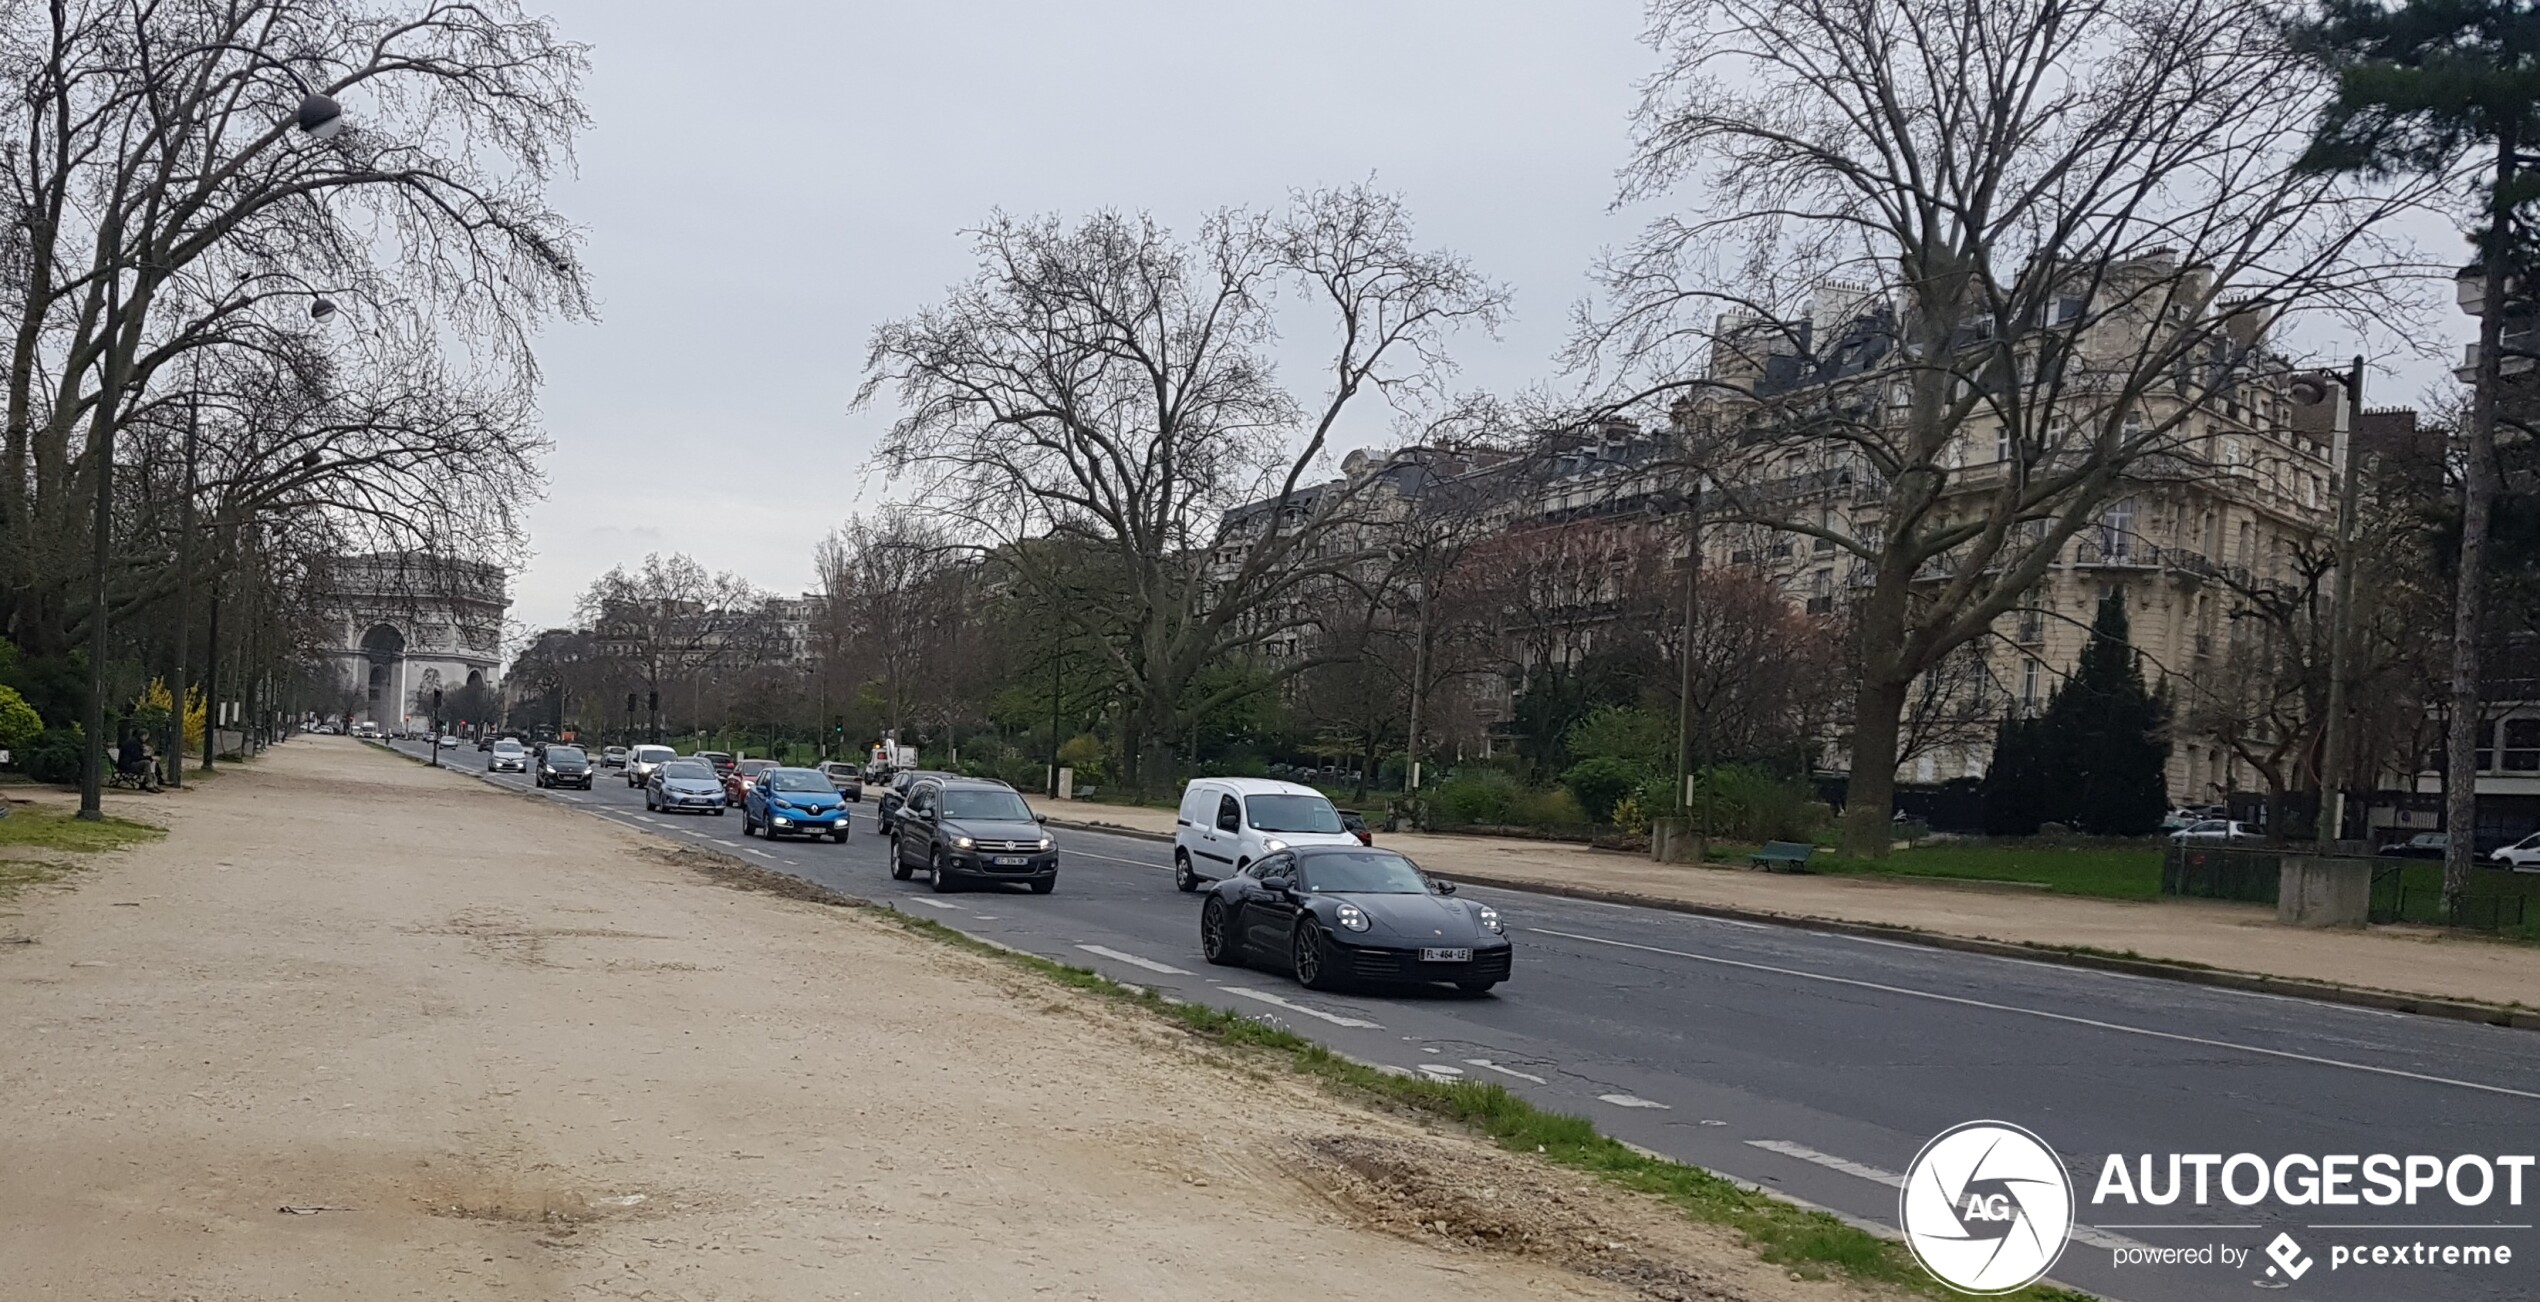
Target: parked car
(896,794)
(847,778)
(2424,845)
(1356,826)
(2522,856)
(508,757)
(641,761)
(613,756)
(1333,914)
(685,785)
(793,802)
(2217,831)
(560,765)
(1225,824)
(971,830)
(744,773)
(720,761)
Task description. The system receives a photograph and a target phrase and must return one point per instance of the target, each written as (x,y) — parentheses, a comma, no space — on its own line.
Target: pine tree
(2093,761)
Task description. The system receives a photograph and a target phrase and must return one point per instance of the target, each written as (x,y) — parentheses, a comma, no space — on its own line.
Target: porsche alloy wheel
(1313,958)
(1214,944)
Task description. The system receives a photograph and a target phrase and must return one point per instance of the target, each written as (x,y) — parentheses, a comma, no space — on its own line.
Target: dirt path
(489,1048)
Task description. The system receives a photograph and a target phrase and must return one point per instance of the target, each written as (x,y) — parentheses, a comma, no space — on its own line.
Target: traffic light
(630,702)
(652,700)
(436,700)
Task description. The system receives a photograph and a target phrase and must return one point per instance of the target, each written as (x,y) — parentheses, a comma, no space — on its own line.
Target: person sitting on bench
(134,766)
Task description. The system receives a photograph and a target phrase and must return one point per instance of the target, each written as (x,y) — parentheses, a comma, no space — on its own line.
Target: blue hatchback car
(794,802)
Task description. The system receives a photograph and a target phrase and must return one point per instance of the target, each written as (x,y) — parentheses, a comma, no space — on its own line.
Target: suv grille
(1009,847)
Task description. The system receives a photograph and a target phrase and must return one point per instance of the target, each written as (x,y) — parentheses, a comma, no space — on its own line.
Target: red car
(738,779)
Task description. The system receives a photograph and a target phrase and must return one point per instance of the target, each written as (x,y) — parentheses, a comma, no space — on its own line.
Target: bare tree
(670,623)
(1977,268)
(1111,384)
(887,591)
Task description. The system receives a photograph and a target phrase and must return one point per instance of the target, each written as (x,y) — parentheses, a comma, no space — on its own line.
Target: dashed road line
(2096,1238)
(1487,1065)
(1123,956)
(2069,1018)
(1281,1001)
(1632,1101)
(934,904)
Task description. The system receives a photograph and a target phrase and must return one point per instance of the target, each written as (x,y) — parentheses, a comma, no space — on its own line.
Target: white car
(2217,831)
(2522,856)
(508,756)
(1226,823)
(642,760)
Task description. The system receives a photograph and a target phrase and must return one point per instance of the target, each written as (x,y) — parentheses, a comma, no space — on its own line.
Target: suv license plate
(1011,861)
(1446,956)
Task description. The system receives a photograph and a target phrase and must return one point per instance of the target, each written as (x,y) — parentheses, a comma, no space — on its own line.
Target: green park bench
(1782,857)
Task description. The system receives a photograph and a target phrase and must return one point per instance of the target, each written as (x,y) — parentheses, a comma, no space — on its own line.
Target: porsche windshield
(1371,872)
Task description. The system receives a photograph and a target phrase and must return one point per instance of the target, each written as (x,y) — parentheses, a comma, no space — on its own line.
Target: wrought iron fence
(2403,890)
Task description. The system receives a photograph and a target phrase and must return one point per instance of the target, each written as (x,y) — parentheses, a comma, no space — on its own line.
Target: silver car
(508,756)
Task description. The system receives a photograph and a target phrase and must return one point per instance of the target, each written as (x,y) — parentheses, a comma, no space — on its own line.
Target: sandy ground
(359,1029)
(2240,937)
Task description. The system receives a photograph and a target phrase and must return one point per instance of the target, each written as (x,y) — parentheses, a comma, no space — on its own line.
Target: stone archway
(382,648)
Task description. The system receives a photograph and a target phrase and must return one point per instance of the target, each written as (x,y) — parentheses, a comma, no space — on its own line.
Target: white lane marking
(934,904)
(2094,1237)
(1828,1160)
(1487,1065)
(1442,1071)
(646,818)
(1631,1101)
(751,849)
(1735,922)
(1874,940)
(1119,956)
(2091,1022)
(1292,1006)
(1134,863)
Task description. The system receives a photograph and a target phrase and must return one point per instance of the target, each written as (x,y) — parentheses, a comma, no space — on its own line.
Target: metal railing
(2403,890)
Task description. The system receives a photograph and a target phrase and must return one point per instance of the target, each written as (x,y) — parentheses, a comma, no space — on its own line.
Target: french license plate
(1011,861)
(1446,956)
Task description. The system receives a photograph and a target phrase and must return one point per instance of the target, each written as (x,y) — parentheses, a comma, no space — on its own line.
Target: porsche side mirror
(1277,885)
(1446,888)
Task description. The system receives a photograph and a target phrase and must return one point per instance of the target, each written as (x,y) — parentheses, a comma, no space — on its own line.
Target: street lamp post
(2336,735)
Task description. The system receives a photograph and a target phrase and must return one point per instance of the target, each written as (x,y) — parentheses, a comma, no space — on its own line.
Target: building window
(2116,530)
(2002,443)
(2522,746)
(2030,671)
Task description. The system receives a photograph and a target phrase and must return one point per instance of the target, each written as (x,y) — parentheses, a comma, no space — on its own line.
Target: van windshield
(1292,814)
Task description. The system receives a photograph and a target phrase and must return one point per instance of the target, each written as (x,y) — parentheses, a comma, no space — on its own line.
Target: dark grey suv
(971,830)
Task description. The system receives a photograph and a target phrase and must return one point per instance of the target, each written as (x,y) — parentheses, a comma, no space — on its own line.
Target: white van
(1226,823)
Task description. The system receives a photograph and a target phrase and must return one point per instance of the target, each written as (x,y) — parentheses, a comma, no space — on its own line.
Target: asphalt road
(1819,1064)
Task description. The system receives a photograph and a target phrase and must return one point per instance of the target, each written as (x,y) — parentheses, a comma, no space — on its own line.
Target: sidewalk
(2233,937)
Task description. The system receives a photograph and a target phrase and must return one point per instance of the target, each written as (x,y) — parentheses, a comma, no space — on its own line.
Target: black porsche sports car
(1339,913)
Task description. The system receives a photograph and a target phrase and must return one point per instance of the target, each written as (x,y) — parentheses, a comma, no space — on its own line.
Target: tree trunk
(1419,691)
(2478,495)
(1877,714)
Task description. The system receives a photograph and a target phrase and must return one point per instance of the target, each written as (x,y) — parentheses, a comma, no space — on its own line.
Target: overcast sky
(762,188)
(764,185)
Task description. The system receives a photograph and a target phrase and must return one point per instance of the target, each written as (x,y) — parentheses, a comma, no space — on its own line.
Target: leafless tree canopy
(1109,384)
(1981,267)
(172,228)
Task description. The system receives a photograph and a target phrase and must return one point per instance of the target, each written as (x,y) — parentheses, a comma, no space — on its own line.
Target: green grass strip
(42,827)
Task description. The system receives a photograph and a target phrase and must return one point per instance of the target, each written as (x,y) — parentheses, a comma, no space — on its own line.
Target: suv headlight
(963,843)
(1274,845)
(1353,917)
(1046,843)
(1490,918)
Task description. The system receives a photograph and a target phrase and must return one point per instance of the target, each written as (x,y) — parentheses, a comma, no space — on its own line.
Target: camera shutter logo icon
(1987,1208)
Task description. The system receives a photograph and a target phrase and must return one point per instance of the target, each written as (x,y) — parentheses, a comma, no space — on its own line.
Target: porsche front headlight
(1353,917)
(1490,918)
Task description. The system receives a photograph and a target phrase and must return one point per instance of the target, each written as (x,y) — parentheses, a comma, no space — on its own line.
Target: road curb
(2222,978)
(1110,829)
